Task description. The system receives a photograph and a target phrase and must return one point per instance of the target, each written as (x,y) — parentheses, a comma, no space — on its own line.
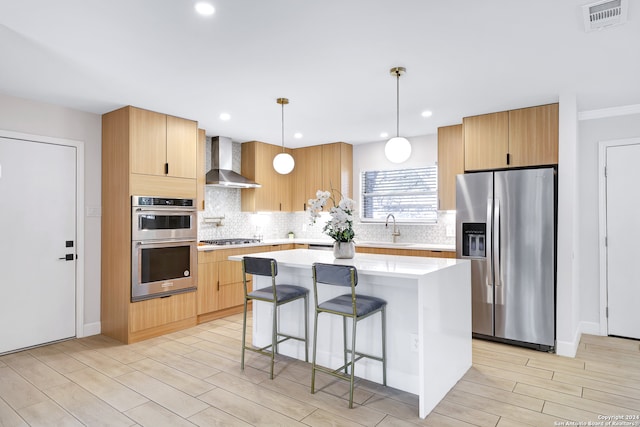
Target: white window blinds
(409,194)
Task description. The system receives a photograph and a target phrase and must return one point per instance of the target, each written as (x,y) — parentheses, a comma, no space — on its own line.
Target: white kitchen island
(428,318)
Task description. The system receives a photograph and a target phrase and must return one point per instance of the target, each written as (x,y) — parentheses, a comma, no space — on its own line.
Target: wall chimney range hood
(221,174)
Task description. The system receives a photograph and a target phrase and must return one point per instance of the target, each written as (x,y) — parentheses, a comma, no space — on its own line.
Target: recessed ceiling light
(297,135)
(427,113)
(204,8)
(225,116)
(384,135)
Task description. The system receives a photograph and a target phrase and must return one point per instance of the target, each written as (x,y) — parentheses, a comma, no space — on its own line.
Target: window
(411,195)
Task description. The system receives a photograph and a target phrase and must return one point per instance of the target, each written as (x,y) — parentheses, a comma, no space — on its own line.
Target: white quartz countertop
(268,242)
(375,264)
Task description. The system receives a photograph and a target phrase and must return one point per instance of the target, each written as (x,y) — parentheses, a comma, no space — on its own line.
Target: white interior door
(37,228)
(623,240)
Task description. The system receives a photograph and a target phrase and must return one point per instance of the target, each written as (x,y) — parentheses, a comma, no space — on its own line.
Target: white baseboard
(90,329)
(570,348)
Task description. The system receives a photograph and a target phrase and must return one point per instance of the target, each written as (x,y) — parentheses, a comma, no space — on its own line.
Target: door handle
(67,257)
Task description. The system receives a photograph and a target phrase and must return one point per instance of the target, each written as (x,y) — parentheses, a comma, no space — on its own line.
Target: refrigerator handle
(496,246)
(488,246)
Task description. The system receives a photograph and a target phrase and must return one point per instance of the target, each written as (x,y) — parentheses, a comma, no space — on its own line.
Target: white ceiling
(331,58)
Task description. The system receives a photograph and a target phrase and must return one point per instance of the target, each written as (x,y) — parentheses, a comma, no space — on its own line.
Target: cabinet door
(231,292)
(182,142)
(148,133)
(207,287)
(201,163)
(486,141)
(257,164)
(307,176)
(450,164)
(533,136)
(161,311)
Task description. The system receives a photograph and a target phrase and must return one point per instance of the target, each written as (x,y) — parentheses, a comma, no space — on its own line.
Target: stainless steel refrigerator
(506,226)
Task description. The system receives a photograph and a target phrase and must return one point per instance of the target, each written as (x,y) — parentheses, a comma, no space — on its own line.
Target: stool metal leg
(244,334)
(306,328)
(384,346)
(353,361)
(315,350)
(274,336)
(344,339)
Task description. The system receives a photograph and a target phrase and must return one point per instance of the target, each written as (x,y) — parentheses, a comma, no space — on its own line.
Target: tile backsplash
(225,203)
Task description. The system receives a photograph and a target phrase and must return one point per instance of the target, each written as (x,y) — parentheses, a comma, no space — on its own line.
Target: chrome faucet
(395,232)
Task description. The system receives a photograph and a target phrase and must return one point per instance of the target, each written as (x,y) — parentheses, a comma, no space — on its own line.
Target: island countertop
(380,265)
(428,318)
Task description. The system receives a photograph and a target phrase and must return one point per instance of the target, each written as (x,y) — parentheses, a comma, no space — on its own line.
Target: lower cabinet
(406,252)
(220,288)
(148,318)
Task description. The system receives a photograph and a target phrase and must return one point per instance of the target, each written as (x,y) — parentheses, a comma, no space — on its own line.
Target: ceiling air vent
(605,13)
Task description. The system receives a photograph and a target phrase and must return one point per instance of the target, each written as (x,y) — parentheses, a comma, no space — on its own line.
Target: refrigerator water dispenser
(474,239)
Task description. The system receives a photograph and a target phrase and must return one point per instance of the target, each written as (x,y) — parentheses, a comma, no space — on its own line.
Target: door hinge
(606,312)
(606,242)
(605,171)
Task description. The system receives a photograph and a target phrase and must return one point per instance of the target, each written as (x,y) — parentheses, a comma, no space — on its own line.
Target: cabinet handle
(304,207)
(508,158)
(280,206)
(218,284)
(166,168)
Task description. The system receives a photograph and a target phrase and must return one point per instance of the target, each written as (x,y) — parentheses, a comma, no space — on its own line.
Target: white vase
(344,250)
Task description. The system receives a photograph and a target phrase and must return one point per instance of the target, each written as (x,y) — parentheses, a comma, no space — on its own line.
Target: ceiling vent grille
(605,13)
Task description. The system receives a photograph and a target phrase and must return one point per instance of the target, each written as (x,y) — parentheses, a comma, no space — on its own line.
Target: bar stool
(276,295)
(352,305)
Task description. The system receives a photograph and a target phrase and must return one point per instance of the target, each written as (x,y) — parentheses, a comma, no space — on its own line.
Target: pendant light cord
(283,127)
(397,103)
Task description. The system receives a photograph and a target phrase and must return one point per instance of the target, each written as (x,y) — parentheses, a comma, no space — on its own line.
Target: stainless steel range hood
(221,174)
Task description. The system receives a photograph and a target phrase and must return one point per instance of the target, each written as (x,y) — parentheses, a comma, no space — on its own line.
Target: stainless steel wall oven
(164,254)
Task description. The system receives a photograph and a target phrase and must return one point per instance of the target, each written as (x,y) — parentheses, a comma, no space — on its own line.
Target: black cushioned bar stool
(276,295)
(351,305)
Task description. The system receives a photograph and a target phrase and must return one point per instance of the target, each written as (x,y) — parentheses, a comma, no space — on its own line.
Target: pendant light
(397,149)
(283,163)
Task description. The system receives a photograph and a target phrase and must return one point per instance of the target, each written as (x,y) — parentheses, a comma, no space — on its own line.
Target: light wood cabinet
(220,285)
(533,136)
(406,252)
(307,175)
(162,145)
(134,150)
(337,168)
(202,171)
(450,164)
(516,138)
(486,141)
(321,167)
(257,165)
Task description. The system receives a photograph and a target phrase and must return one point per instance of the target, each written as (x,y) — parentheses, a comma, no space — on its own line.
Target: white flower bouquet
(340,225)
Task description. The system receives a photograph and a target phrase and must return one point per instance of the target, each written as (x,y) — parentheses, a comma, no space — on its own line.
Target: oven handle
(167,210)
(153,242)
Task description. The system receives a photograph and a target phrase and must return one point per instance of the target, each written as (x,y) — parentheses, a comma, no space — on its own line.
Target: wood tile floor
(193,377)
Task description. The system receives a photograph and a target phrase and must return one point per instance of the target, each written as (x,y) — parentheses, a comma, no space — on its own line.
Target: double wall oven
(164,253)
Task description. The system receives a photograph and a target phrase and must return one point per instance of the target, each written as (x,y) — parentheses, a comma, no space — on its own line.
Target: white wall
(29,117)
(591,132)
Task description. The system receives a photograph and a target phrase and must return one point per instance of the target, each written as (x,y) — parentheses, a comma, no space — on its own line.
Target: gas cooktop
(237,241)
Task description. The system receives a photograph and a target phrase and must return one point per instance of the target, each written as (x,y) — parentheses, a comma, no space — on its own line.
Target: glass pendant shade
(283,163)
(397,149)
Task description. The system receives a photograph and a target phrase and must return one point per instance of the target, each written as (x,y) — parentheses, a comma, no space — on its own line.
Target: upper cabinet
(321,167)
(162,145)
(202,164)
(450,164)
(257,165)
(516,138)
(337,168)
(533,136)
(307,175)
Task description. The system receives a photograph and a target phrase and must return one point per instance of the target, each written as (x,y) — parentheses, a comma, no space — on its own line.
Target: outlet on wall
(414,342)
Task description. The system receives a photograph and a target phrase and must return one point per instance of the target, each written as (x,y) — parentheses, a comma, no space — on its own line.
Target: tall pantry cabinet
(143,153)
